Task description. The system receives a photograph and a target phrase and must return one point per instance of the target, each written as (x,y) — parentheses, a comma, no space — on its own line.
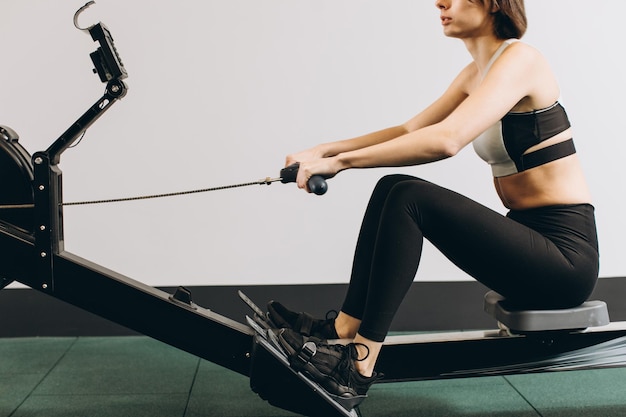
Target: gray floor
(138,376)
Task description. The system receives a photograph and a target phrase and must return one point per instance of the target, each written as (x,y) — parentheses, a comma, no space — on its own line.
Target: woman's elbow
(450,148)
(450,140)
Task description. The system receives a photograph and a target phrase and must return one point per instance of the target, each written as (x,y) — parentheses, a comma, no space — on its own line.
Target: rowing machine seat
(588,314)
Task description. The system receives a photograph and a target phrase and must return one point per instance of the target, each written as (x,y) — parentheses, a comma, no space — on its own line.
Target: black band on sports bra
(547,154)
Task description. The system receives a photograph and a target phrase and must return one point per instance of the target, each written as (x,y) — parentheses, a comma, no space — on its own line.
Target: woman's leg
(518,261)
(509,257)
(349,318)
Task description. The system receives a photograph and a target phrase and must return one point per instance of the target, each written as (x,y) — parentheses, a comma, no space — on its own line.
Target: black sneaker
(302,323)
(330,366)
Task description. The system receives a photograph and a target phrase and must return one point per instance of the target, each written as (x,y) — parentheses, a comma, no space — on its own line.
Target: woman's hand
(313,153)
(326,167)
(312,161)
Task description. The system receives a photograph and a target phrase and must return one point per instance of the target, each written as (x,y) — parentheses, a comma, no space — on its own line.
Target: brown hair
(509,18)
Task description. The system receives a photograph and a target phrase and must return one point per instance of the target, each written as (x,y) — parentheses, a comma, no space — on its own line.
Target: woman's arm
(436,112)
(516,75)
(512,78)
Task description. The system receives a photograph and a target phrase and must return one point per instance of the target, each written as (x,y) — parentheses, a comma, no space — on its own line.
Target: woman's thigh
(505,255)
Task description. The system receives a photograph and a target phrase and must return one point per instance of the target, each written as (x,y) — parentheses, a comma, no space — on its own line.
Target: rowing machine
(31,243)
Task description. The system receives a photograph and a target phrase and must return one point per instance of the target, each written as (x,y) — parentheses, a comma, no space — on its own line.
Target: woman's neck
(482,49)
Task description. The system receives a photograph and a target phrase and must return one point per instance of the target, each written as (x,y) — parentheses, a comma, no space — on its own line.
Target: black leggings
(537,258)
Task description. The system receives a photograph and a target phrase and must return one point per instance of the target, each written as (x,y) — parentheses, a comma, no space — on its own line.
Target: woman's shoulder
(521,50)
(519,59)
(515,50)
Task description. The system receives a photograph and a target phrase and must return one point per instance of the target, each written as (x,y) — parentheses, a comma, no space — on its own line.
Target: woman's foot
(302,323)
(332,366)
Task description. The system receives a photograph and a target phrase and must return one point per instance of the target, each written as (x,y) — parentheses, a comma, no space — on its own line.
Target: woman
(542,254)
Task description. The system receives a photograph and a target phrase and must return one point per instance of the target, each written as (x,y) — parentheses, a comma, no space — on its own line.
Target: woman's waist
(568,225)
(557,183)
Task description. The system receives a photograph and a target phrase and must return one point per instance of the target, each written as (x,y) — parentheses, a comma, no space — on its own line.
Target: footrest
(274,380)
(588,314)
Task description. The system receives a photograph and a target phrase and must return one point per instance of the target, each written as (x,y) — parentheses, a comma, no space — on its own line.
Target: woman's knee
(410,191)
(388,181)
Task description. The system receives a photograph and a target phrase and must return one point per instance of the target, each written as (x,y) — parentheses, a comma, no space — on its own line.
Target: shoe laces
(354,353)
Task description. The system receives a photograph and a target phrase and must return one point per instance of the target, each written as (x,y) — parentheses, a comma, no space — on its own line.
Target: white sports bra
(503,145)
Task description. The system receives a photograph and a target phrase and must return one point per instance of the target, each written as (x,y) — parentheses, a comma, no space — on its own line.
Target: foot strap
(304,324)
(304,355)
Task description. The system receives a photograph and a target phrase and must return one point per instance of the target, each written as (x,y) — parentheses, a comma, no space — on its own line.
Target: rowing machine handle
(317,183)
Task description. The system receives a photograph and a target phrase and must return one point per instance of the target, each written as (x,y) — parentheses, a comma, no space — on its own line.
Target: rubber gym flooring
(137,376)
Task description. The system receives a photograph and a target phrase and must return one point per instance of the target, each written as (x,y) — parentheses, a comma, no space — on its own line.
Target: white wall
(221,90)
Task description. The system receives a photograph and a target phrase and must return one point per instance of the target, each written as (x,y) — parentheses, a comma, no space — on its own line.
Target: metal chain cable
(147,197)
(266,181)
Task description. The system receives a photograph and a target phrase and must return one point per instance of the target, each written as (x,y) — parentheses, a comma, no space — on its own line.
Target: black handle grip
(317,184)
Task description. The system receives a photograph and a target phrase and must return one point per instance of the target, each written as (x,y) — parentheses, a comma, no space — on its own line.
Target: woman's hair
(509,18)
